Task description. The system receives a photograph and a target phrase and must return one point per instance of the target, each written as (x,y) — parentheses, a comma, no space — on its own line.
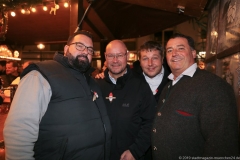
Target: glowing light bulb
(23,11)
(16,53)
(45,8)
(66,4)
(40,46)
(33,9)
(13,14)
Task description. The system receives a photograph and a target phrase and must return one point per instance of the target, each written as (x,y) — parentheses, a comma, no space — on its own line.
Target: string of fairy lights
(28,6)
(9,7)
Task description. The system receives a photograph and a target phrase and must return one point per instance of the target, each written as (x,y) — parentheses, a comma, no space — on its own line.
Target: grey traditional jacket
(196,117)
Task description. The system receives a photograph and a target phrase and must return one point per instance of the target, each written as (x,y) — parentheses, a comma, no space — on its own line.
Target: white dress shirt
(155,81)
(188,72)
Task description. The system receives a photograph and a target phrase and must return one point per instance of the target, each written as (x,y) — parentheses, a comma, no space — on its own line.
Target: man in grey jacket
(197,113)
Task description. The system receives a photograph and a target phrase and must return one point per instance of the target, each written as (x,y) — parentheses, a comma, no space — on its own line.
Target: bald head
(116,57)
(117,44)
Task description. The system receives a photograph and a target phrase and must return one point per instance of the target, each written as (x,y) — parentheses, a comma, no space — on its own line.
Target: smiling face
(79,59)
(151,62)
(116,58)
(179,55)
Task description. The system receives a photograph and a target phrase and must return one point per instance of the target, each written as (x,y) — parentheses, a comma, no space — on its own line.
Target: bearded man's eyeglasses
(81,47)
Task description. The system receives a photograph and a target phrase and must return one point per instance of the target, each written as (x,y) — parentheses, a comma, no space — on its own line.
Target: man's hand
(127,155)
(100,76)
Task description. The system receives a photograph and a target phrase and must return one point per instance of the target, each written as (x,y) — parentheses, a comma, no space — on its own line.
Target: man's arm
(219,122)
(22,124)
(100,76)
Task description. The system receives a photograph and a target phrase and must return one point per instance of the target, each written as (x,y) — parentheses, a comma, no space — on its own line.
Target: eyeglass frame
(116,55)
(84,47)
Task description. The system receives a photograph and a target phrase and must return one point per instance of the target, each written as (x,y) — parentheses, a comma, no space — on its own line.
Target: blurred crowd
(10,75)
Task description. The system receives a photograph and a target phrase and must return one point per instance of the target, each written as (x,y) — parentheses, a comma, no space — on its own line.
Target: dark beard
(79,64)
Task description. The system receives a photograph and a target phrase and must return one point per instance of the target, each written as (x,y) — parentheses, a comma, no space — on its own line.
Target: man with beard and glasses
(58,111)
(130,105)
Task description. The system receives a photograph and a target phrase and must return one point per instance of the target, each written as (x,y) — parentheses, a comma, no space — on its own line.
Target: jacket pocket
(184,113)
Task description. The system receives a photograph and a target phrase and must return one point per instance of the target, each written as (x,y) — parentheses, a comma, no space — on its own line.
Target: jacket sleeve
(218,121)
(148,107)
(22,124)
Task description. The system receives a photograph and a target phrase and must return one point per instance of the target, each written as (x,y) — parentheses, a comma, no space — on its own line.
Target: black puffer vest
(74,126)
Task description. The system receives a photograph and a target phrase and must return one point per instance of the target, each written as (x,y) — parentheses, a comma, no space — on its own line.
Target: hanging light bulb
(13,14)
(33,9)
(66,4)
(45,7)
(23,10)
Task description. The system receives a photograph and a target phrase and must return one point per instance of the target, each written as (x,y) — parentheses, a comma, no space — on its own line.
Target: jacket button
(159,114)
(154,130)
(154,148)
(163,100)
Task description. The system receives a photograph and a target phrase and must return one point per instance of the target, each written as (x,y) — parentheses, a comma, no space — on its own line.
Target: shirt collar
(112,79)
(155,81)
(188,72)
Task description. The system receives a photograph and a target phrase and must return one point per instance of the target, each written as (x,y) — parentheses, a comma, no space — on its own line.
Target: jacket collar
(121,81)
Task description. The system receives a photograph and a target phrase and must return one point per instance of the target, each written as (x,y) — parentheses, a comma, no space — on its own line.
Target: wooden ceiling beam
(93,19)
(94,28)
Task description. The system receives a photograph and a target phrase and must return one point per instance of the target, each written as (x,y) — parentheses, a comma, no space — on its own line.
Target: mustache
(82,56)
